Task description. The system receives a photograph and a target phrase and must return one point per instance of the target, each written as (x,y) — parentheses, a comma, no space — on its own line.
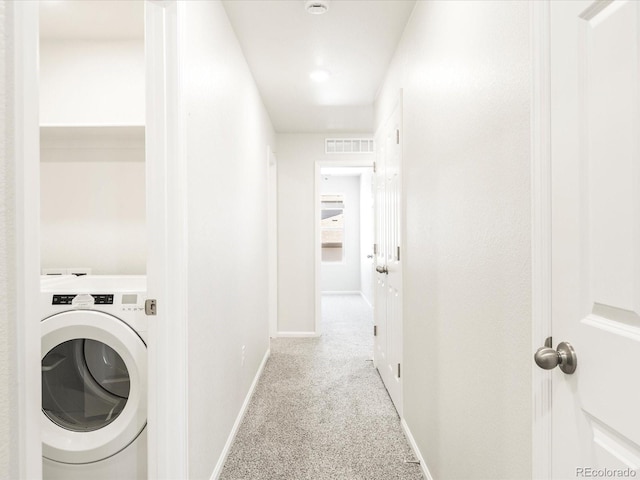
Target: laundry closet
(92,134)
(93,240)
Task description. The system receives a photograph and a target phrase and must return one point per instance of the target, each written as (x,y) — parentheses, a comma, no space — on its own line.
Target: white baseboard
(416,450)
(348,292)
(227,447)
(340,292)
(297,334)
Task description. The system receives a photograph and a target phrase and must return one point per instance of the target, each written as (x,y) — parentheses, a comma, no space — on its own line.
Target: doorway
(344,232)
(159,111)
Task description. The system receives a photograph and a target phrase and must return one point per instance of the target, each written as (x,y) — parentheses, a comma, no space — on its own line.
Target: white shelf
(99,142)
(92,135)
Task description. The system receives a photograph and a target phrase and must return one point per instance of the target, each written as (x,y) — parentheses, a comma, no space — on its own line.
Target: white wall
(93,215)
(366,236)
(228,131)
(465,69)
(92,82)
(344,276)
(8,357)
(297,156)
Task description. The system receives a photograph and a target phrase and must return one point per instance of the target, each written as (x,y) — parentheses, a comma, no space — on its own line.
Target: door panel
(595,78)
(380,319)
(609,77)
(388,298)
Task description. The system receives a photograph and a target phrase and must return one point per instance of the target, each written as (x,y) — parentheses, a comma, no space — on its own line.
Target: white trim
(541,235)
(272,239)
(317,240)
(416,450)
(24,33)
(167,255)
(316,231)
(236,426)
(298,334)
(341,292)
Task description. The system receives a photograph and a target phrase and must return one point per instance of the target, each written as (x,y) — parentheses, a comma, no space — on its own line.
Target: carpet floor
(320,410)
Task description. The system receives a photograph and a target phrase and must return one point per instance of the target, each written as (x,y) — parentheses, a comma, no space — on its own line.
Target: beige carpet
(320,410)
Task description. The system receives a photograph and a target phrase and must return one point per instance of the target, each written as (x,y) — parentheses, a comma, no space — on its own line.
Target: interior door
(388,281)
(595,197)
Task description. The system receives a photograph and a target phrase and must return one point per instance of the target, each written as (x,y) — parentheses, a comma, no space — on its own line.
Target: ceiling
(354,41)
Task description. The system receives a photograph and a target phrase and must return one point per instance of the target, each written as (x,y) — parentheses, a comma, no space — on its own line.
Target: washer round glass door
(93,386)
(85,385)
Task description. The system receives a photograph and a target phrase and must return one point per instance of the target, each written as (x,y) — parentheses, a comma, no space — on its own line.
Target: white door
(388,282)
(595,198)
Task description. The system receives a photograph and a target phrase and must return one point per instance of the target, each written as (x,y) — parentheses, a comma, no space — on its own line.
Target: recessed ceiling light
(317,7)
(319,75)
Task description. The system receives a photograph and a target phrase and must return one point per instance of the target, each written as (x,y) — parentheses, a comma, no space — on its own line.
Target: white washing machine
(94,378)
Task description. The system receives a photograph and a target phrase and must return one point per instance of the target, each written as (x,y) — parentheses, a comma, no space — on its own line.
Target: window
(332,227)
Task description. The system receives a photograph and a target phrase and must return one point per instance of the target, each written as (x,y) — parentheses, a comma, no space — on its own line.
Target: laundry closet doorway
(146,134)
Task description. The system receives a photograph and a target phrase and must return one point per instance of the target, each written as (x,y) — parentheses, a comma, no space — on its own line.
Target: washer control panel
(98,299)
(126,302)
(131,303)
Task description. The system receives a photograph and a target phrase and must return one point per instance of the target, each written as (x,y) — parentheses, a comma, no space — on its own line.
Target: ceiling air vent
(348,145)
(317,7)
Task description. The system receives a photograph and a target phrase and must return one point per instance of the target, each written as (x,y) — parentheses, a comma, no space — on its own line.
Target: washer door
(94,386)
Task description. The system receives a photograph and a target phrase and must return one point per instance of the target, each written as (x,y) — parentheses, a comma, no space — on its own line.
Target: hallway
(203,126)
(320,410)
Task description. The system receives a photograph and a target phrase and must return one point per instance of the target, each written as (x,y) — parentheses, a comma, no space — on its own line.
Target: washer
(94,378)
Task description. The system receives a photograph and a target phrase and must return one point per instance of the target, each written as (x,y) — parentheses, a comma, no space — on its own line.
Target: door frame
(167,412)
(25,117)
(316,229)
(272,239)
(541,235)
(167,253)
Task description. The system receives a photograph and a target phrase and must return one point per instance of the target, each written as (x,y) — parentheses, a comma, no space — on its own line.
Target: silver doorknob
(382,269)
(565,357)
